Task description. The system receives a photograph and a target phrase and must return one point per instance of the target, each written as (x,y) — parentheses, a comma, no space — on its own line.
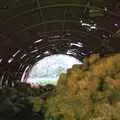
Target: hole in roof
(47,70)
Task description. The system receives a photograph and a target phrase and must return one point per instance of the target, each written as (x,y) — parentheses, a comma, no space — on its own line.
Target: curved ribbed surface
(31,30)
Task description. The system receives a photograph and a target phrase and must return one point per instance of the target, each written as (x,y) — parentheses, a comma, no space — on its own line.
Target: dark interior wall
(57,22)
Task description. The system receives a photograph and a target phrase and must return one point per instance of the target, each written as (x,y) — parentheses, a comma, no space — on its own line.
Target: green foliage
(88,92)
(37,103)
(13,103)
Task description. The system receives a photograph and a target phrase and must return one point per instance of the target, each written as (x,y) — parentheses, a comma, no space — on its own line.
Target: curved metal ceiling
(33,29)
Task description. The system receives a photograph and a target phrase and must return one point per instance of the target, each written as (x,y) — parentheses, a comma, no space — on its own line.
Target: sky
(48,69)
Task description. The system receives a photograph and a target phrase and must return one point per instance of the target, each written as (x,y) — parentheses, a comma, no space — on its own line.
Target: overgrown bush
(88,92)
